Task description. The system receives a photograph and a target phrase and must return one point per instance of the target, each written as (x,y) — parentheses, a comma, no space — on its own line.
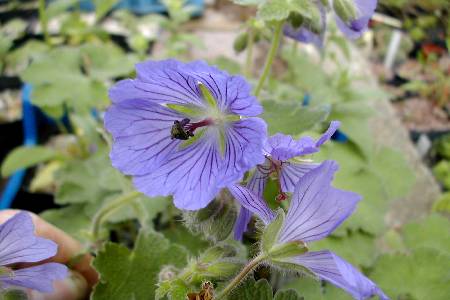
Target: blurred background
(390,89)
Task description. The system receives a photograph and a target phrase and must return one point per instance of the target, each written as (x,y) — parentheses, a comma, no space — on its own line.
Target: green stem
(106,210)
(44,21)
(239,277)
(249,56)
(270,57)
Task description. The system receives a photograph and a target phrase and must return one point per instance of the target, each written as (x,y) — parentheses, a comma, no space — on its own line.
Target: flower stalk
(106,211)
(241,276)
(270,57)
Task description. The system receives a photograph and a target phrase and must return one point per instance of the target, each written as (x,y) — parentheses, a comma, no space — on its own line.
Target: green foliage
(442,204)
(422,274)
(295,117)
(133,274)
(13,295)
(432,232)
(24,157)
(82,71)
(261,290)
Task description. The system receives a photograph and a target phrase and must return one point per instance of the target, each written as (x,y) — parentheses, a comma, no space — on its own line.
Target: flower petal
(243,147)
(18,243)
(241,223)
(39,277)
(306,35)
(281,147)
(291,172)
(326,136)
(174,82)
(355,28)
(191,174)
(328,266)
(252,202)
(141,133)
(307,145)
(316,207)
(258,180)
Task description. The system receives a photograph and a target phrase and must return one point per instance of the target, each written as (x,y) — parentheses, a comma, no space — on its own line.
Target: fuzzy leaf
(24,157)
(424,274)
(291,117)
(433,232)
(133,274)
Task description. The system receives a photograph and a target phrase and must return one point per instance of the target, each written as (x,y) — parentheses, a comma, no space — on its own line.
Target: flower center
(184,129)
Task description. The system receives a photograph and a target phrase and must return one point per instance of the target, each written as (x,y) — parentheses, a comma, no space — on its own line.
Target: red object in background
(430,48)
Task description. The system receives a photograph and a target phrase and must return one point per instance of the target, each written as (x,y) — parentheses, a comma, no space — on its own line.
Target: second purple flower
(184,129)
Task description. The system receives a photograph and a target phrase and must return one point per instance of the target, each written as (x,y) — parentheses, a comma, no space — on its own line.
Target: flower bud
(167,273)
(240,43)
(216,221)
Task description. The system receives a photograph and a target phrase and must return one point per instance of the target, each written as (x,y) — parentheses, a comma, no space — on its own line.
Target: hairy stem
(241,276)
(106,210)
(270,57)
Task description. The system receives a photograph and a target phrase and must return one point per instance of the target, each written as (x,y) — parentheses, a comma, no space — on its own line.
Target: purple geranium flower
(184,129)
(316,210)
(283,161)
(18,244)
(352,28)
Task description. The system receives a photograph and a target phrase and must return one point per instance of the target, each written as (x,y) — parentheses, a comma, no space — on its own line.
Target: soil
(419,114)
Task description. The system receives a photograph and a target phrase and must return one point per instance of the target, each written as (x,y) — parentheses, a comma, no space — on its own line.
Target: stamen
(184,129)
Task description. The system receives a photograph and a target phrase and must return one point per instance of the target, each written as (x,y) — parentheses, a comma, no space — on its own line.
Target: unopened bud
(167,273)
(240,43)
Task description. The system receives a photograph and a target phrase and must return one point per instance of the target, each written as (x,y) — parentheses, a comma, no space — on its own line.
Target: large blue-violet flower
(284,162)
(316,210)
(352,19)
(184,129)
(18,244)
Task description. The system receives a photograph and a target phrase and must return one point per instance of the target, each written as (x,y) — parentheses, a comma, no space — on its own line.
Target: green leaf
(356,247)
(71,219)
(133,274)
(275,10)
(432,232)
(25,157)
(12,294)
(181,236)
(394,172)
(270,234)
(103,67)
(287,295)
(261,290)
(424,274)
(102,7)
(307,287)
(78,181)
(291,117)
(442,204)
(251,290)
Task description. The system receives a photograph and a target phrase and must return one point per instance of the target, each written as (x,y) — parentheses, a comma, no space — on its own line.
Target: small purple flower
(282,154)
(352,28)
(18,244)
(184,129)
(316,210)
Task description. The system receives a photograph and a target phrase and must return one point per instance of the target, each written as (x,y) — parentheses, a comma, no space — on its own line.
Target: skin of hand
(82,276)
